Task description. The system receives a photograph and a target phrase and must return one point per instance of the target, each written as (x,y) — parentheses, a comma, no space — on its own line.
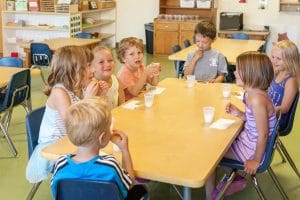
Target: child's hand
(198,54)
(103,88)
(152,71)
(120,139)
(232,110)
(91,89)
(211,80)
(251,166)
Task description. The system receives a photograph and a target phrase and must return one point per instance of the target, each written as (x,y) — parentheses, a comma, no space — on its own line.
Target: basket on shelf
(106,4)
(66,8)
(47,5)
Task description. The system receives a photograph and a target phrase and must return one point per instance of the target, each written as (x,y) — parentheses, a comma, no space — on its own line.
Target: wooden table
(169,142)
(56,43)
(230,48)
(253,35)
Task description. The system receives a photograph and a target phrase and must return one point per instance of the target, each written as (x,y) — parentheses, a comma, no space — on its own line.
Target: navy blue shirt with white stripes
(104,168)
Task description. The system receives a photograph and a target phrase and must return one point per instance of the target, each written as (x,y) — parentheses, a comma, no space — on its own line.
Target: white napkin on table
(222,124)
(131,105)
(156,90)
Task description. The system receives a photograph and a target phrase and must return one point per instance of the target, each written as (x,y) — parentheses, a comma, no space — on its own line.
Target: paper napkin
(222,124)
(131,104)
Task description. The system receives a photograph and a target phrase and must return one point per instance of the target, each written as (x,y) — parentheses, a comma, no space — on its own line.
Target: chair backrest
(271,146)
(286,124)
(33,122)
(178,64)
(78,189)
(18,89)
(40,54)
(84,35)
(11,62)
(186,43)
(240,36)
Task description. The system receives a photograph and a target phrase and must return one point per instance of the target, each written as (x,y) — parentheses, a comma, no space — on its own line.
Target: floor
(13,184)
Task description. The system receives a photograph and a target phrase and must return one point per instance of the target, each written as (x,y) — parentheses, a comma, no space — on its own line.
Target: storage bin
(187,3)
(203,3)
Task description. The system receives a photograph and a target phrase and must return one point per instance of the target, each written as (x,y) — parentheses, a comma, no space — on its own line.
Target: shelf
(96,10)
(35,13)
(98,23)
(35,28)
(178,7)
(104,36)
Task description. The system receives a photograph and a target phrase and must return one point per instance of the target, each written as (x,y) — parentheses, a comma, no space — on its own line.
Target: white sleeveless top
(113,91)
(52,126)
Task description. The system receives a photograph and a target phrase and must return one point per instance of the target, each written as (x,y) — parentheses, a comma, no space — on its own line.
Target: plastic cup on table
(149,98)
(208,113)
(190,80)
(226,90)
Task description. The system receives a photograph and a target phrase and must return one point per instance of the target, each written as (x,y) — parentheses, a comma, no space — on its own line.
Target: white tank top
(52,126)
(113,91)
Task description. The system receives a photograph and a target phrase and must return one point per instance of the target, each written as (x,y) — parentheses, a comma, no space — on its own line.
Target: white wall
(132,15)
(279,22)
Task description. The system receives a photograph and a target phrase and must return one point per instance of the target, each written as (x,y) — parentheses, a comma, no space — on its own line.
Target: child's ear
(101,139)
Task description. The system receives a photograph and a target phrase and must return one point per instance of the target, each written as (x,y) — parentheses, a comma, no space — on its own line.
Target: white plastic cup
(190,80)
(226,89)
(208,113)
(149,98)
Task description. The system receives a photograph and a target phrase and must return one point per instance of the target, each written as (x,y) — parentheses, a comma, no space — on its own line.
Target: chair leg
(278,185)
(33,191)
(283,160)
(226,186)
(257,188)
(176,189)
(11,145)
(288,157)
(8,119)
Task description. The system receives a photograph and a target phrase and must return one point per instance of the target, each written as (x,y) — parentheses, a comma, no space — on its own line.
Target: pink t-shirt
(129,78)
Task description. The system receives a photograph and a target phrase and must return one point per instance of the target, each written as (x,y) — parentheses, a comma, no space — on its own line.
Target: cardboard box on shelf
(106,4)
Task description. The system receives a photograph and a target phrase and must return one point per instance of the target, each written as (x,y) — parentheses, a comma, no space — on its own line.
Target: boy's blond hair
(255,69)
(290,56)
(100,48)
(86,120)
(67,67)
(126,43)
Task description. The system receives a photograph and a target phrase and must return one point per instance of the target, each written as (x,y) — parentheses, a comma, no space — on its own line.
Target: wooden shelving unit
(289,5)
(169,32)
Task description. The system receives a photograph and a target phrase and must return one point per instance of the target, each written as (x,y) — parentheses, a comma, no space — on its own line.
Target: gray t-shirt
(210,65)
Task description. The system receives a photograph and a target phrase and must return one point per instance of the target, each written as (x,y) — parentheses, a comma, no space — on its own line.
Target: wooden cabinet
(289,5)
(176,24)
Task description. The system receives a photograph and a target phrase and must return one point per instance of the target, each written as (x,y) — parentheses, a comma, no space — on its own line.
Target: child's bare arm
(136,88)
(191,68)
(121,94)
(59,100)
(218,79)
(234,111)
(120,139)
(260,111)
(290,91)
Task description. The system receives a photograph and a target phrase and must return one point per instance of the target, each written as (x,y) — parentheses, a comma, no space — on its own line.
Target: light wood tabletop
(230,48)
(56,43)
(169,142)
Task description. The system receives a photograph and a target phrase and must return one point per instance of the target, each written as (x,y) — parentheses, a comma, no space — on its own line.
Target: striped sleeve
(110,161)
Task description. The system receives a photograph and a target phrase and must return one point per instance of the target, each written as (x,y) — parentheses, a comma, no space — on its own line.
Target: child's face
(88,75)
(203,43)
(133,57)
(238,80)
(277,61)
(103,64)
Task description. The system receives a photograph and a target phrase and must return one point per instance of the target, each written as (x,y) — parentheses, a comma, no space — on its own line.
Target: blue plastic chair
(284,130)
(240,36)
(187,43)
(16,93)
(78,189)
(236,165)
(11,62)
(84,35)
(178,64)
(33,122)
(41,56)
